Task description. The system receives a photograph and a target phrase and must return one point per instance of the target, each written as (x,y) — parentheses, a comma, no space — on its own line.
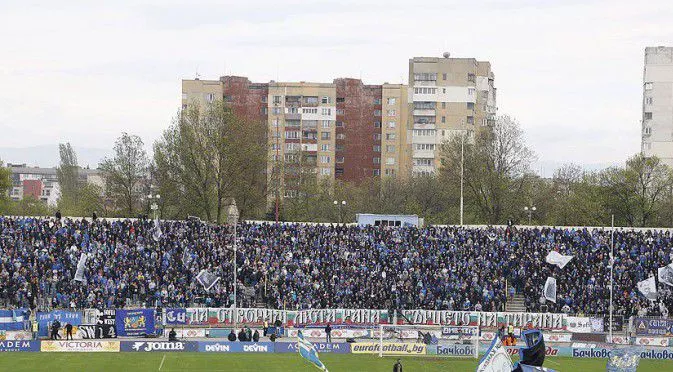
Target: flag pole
(612,264)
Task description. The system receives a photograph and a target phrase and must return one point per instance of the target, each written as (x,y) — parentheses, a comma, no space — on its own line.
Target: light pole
(232,219)
(530,211)
(154,207)
(341,205)
(612,264)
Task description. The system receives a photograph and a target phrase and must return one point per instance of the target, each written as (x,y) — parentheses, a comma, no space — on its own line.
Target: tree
(209,155)
(496,169)
(636,192)
(5,187)
(125,173)
(68,171)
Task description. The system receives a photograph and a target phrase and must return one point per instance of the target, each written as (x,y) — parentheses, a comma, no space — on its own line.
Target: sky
(82,72)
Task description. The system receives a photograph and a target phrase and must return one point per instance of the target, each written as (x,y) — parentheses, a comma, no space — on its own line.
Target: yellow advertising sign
(79,346)
(389,348)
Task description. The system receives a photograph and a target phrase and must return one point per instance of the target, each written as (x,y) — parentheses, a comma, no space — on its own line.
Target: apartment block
(42,183)
(447,97)
(657,123)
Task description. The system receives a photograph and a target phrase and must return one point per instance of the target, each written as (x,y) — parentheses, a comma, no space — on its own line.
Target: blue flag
(308,351)
(624,360)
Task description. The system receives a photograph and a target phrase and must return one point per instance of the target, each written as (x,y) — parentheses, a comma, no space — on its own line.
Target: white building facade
(657,123)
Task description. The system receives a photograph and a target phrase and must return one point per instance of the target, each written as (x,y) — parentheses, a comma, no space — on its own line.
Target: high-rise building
(657,124)
(447,97)
(347,130)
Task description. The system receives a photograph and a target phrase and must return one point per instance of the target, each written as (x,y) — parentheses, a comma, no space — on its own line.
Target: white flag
(550,289)
(666,274)
(156,231)
(648,288)
(558,259)
(496,359)
(207,279)
(81,265)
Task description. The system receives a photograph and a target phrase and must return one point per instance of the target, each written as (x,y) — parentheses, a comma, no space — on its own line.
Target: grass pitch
(206,362)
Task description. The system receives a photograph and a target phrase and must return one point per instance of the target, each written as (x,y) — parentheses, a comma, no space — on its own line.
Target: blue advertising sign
(235,347)
(13,326)
(321,347)
(63,316)
(653,327)
(135,322)
(158,346)
(658,353)
(451,350)
(19,345)
(175,316)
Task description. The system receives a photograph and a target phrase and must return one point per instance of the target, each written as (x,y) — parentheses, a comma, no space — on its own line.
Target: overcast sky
(569,71)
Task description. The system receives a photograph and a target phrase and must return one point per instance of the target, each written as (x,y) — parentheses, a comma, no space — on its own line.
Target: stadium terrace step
(516,304)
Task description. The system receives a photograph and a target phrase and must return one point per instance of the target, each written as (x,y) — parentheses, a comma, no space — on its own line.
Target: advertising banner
(158,346)
(619,340)
(16,335)
(322,347)
(95,331)
(578,324)
(451,350)
(653,327)
(236,347)
(486,319)
(389,348)
(598,325)
(558,337)
(135,322)
(651,341)
(19,345)
(650,353)
(336,333)
(79,346)
(188,332)
(617,323)
(549,350)
(107,317)
(174,316)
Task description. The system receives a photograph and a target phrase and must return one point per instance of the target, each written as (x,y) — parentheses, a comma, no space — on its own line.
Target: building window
(470,119)
(265,110)
(648,130)
(425,146)
(264,99)
(443,119)
(339,147)
(471,78)
(377,148)
(324,135)
(377,136)
(648,100)
(425,90)
(311,100)
(341,136)
(648,116)
(390,172)
(390,161)
(377,124)
(470,105)
(649,86)
(392,113)
(210,97)
(339,124)
(290,193)
(339,159)
(391,124)
(470,91)
(292,146)
(423,162)
(443,105)
(276,100)
(310,110)
(184,107)
(376,172)
(324,159)
(391,100)
(326,124)
(276,110)
(444,76)
(184,95)
(325,171)
(377,112)
(340,111)
(293,110)
(325,100)
(326,111)
(324,147)
(425,76)
(390,136)
(390,148)
(377,101)
(424,105)
(341,99)
(376,160)
(424,132)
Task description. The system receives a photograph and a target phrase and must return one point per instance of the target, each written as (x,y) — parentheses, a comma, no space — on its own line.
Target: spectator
(255,336)
(68,331)
(232,336)
(328,333)
(242,336)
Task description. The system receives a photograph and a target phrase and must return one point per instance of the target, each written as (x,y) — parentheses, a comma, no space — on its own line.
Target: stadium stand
(301,266)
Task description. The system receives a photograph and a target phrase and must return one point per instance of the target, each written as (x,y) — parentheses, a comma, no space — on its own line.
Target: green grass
(207,362)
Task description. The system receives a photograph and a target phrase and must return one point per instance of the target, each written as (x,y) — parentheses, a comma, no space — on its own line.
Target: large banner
(486,319)
(19,345)
(336,333)
(578,324)
(389,348)
(653,327)
(63,316)
(95,331)
(337,316)
(256,317)
(617,323)
(135,322)
(174,316)
(158,346)
(79,346)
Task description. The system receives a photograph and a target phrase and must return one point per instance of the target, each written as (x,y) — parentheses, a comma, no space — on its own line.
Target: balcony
(424,126)
(309,147)
(424,112)
(293,116)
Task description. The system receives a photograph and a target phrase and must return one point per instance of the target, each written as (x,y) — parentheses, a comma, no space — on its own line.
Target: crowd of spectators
(291,266)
